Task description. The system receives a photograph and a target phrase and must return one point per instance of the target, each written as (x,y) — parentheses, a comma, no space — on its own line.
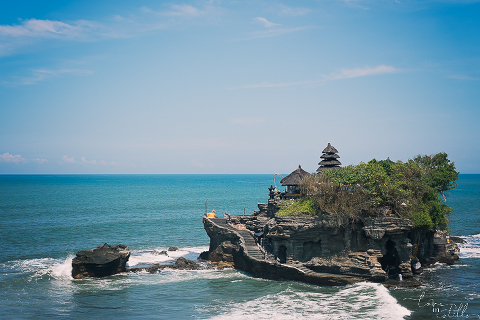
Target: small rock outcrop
(180,264)
(102,261)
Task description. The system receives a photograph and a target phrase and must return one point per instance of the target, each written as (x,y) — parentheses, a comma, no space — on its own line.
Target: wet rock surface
(102,261)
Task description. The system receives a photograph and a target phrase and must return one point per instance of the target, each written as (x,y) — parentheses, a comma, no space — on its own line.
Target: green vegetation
(303,206)
(412,190)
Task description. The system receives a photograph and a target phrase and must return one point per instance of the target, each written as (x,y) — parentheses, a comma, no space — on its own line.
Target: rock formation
(320,250)
(103,261)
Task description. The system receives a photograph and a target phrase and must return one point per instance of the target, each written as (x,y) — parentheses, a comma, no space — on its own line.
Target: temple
(329,157)
(292,183)
(324,249)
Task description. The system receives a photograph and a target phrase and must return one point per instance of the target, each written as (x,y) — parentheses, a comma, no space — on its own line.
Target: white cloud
(34,31)
(361,72)
(267,84)
(343,74)
(357,4)
(31,31)
(265,22)
(68,160)
(197,164)
(39,29)
(273,32)
(105,163)
(41,160)
(38,75)
(34,28)
(7,157)
(284,10)
(182,10)
(461,77)
(83,160)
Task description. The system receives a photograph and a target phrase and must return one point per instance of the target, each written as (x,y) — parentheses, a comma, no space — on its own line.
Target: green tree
(440,172)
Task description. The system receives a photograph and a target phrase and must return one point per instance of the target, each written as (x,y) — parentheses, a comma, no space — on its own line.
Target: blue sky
(235,86)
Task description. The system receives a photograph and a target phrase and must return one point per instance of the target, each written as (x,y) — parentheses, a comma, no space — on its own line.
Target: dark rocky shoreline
(322,251)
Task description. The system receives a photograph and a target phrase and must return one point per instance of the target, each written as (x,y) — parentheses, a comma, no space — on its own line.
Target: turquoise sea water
(46,219)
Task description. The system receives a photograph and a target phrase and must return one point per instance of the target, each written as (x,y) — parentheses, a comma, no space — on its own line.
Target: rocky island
(377,222)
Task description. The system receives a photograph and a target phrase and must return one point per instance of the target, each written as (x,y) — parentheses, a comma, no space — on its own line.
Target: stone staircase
(253,250)
(294,271)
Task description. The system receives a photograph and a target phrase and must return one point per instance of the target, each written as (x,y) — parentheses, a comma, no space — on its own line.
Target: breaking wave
(44,267)
(471,247)
(360,301)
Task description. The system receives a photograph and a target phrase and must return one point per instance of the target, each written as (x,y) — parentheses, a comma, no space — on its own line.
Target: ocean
(45,219)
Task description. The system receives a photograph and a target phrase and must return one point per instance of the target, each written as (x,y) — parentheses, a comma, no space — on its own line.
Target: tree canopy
(412,190)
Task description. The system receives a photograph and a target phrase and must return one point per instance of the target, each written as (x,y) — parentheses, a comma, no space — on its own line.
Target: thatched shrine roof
(329,156)
(330,163)
(329,149)
(294,178)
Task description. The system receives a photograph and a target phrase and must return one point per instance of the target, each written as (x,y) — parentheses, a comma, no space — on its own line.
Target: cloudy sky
(235,86)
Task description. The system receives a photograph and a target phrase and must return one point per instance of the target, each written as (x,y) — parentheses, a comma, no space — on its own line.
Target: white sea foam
(63,270)
(362,300)
(469,252)
(140,258)
(471,247)
(55,268)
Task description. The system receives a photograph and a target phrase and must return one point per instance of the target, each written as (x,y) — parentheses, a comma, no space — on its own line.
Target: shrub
(303,206)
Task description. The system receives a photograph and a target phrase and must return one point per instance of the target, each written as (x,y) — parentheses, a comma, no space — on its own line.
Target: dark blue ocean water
(46,219)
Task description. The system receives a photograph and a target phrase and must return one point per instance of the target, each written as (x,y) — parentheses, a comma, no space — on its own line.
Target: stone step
(251,245)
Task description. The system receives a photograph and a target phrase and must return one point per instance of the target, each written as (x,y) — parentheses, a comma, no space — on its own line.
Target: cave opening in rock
(282,254)
(390,261)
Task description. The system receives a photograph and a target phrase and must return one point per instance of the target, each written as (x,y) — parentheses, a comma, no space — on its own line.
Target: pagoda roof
(329,149)
(329,156)
(330,163)
(294,178)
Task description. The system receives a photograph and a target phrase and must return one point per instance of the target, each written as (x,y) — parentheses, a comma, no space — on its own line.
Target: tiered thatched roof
(329,157)
(294,178)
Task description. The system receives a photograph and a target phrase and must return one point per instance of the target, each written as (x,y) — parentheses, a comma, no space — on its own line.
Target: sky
(193,87)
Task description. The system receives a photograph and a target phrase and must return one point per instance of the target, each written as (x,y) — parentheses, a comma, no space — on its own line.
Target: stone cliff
(321,250)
